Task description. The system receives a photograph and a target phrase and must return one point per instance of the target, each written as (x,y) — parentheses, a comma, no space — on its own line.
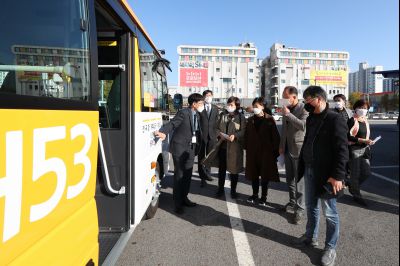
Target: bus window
(110,98)
(44,50)
(153,81)
(109,83)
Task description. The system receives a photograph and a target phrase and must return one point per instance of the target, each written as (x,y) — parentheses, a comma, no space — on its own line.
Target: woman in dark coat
(262,149)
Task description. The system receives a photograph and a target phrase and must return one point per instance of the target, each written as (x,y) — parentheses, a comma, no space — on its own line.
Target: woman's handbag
(367,153)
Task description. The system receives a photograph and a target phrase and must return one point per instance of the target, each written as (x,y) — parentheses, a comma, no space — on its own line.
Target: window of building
(217,69)
(305,82)
(283,71)
(283,81)
(240,90)
(250,70)
(250,80)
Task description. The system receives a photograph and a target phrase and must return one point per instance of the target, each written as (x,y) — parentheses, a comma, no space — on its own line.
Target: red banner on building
(192,77)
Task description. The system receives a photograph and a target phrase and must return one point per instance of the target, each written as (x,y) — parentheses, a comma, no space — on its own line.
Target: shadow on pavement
(381,188)
(211,188)
(202,215)
(372,205)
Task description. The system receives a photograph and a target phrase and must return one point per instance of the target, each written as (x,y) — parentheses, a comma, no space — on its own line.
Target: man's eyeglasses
(309,100)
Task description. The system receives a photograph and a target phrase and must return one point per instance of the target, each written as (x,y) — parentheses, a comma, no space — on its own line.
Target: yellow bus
(82,89)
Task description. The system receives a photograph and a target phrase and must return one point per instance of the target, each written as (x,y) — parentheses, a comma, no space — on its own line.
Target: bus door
(113,180)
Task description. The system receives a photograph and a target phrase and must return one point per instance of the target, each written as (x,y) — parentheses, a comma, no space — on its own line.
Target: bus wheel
(152,209)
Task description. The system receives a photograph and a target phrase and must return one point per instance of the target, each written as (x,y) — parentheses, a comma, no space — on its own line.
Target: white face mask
(257,111)
(230,109)
(208,100)
(284,102)
(361,112)
(200,109)
(338,105)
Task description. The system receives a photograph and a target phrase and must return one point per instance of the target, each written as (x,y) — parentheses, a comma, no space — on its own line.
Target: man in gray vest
(293,131)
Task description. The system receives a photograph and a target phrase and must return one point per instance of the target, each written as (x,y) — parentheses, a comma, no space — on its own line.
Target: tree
(385,102)
(394,103)
(354,96)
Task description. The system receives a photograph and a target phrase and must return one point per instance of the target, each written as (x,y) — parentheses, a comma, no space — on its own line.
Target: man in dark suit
(208,121)
(322,161)
(185,144)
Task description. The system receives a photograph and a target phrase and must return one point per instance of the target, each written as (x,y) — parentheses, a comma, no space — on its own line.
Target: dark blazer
(330,150)
(208,124)
(262,149)
(181,126)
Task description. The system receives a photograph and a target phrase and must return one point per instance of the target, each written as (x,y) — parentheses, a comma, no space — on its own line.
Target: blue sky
(367,29)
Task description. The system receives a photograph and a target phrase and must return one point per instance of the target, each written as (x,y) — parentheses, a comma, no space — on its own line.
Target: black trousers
(183,168)
(255,183)
(222,172)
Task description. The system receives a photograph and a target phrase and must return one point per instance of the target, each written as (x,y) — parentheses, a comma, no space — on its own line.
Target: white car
(392,115)
(277,117)
(379,116)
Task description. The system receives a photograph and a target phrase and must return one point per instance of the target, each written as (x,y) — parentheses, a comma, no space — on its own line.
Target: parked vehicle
(247,114)
(378,116)
(277,117)
(393,114)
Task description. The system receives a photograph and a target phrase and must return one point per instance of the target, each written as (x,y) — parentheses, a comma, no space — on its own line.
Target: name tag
(194,139)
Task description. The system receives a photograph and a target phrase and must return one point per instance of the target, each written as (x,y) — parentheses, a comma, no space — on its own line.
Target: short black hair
(207,91)
(360,103)
(194,98)
(341,96)
(314,91)
(260,101)
(234,100)
(291,90)
(263,102)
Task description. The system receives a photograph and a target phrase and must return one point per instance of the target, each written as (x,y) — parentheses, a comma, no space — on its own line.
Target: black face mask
(309,108)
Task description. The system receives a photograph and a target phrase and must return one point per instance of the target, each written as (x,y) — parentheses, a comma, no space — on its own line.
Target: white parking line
(385,178)
(384,166)
(242,246)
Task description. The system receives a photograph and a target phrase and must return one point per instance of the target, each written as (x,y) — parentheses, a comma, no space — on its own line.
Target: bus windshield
(44,49)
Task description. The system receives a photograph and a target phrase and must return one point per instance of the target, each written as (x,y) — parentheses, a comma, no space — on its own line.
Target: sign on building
(192,77)
(324,77)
